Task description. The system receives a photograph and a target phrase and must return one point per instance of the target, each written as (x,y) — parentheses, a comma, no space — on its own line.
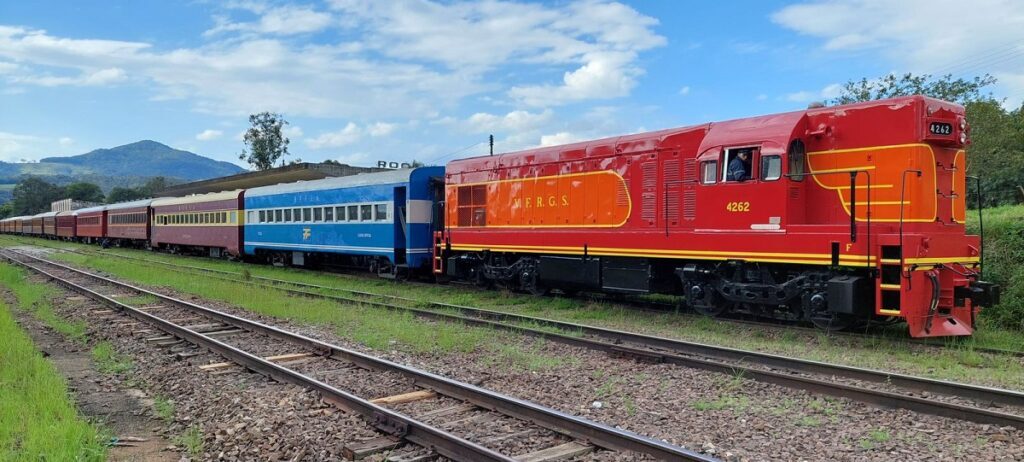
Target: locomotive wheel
(529,282)
(713,310)
(832,322)
(481,280)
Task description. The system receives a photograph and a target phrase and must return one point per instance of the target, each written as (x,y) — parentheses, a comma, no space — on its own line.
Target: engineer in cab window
(739,167)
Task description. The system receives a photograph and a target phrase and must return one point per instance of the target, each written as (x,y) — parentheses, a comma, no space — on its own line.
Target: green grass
(38,421)
(375,328)
(959,364)
(37,298)
(109,361)
(164,408)
(1004,263)
(191,440)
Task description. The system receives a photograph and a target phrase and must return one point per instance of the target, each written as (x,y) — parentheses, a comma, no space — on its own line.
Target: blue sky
(362,81)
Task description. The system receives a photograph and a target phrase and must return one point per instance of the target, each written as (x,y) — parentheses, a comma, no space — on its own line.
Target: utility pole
(492,144)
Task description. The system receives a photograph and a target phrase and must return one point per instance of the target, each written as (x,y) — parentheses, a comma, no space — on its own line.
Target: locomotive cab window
(708,172)
(771,168)
(739,164)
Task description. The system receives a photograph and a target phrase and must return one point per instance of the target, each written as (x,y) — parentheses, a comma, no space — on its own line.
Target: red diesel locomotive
(837,215)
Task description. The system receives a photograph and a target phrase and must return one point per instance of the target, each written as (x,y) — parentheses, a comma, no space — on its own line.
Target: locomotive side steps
(796,373)
(415,431)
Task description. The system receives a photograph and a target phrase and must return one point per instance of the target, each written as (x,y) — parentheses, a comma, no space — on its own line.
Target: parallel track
(795,373)
(661,308)
(409,428)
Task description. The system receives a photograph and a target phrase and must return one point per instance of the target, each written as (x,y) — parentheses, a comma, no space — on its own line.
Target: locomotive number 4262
(738,206)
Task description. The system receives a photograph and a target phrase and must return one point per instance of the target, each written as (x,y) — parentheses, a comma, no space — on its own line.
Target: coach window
(263,216)
(353,213)
(307,214)
(381,212)
(339,213)
(223,217)
(771,168)
(797,158)
(318,214)
(278,215)
(288,215)
(709,172)
(328,214)
(365,212)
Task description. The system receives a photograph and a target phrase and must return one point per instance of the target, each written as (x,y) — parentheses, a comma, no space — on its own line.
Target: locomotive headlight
(963,124)
(963,137)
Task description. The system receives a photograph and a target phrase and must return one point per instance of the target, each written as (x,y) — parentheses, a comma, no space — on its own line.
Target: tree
(153,186)
(264,141)
(119,194)
(961,91)
(83,191)
(6,210)
(33,195)
(996,152)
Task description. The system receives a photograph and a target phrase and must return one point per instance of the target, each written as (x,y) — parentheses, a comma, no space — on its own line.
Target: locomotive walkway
(459,406)
(886,389)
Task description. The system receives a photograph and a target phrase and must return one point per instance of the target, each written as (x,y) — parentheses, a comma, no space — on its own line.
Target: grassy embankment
(38,420)
(1004,265)
(387,330)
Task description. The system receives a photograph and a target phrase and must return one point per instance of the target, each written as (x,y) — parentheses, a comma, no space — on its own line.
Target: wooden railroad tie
(363,449)
(405,397)
(562,451)
(276,359)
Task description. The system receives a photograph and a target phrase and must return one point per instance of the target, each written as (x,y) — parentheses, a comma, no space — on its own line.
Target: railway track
(886,389)
(454,410)
(661,308)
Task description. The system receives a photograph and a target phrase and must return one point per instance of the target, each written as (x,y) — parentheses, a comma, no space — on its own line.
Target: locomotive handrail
(981,225)
(853,204)
(903,191)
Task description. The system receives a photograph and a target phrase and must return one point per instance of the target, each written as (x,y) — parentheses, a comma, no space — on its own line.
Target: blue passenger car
(383,221)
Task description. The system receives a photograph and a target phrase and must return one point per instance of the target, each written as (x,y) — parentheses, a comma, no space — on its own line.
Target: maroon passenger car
(91,223)
(206,223)
(65,222)
(128,222)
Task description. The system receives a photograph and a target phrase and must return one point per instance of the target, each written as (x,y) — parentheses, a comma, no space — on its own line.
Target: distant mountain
(143,158)
(127,166)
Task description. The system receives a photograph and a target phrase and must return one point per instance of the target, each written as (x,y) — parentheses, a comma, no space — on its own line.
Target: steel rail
(598,434)
(976,392)
(640,305)
(445,443)
(870,396)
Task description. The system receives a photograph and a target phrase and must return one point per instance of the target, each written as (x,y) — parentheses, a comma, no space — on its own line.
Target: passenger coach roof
(211,197)
(130,204)
(362,179)
(47,214)
(98,208)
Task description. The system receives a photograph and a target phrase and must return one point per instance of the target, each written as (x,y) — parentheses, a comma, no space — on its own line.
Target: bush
(1004,262)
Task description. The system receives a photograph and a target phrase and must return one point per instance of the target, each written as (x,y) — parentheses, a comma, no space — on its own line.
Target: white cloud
(922,36)
(65,141)
(604,75)
(284,20)
(209,134)
(348,135)
(761,97)
(685,90)
(292,131)
(599,39)
(96,78)
(515,121)
(830,91)
(380,129)
(559,138)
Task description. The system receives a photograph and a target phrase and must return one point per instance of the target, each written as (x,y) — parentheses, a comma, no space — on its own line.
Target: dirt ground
(126,413)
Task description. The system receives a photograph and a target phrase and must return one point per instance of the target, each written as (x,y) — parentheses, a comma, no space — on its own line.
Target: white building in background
(65,205)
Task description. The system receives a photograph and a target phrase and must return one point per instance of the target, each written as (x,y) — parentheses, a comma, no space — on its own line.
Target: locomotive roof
(773,132)
(130,204)
(362,179)
(197,198)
